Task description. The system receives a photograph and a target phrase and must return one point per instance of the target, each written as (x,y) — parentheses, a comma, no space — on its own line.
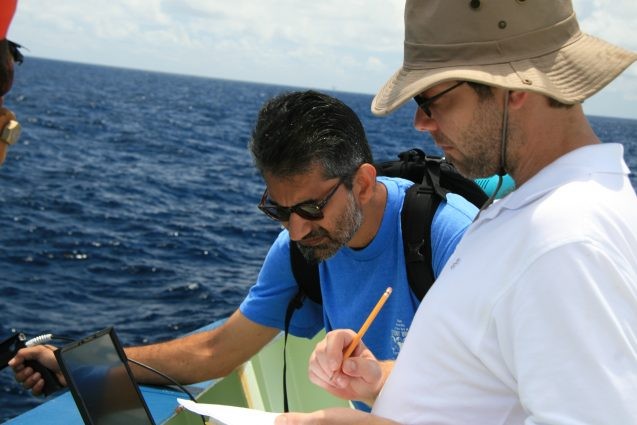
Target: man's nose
(424,123)
(298,227)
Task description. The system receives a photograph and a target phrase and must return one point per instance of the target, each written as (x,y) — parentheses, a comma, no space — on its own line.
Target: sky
(346,45)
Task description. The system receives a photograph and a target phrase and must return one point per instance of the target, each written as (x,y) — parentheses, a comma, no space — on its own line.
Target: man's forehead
(311,173)
(298,187)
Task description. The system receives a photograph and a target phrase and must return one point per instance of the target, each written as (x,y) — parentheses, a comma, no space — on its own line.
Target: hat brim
(569,75)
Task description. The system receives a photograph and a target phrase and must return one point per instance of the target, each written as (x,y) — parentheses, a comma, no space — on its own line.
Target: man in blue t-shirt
(321,186)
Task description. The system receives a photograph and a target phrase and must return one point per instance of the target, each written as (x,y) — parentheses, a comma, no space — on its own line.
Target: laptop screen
(101,382)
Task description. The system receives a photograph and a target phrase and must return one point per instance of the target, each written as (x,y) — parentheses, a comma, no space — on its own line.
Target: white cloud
(612,20)
(374,63)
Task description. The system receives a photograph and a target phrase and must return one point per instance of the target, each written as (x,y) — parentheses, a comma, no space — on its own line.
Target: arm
(192,358)
(204,355)
(360,377)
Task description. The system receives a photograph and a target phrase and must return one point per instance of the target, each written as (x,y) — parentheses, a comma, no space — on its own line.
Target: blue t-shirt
(352,281)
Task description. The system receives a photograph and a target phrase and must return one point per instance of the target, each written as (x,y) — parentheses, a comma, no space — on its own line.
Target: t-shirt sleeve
(267,300)
(451,220)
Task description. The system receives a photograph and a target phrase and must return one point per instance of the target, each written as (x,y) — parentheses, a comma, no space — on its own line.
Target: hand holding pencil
(357,339)
(361,377)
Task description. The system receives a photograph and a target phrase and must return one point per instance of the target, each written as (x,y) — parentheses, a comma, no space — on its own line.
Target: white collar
(578,164)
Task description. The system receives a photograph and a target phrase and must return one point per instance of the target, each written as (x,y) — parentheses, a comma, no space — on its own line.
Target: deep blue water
(130,200)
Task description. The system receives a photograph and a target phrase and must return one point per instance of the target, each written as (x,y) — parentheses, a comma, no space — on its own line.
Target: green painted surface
(259,383)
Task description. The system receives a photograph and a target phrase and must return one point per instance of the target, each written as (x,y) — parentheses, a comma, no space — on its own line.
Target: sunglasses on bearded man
(309,210)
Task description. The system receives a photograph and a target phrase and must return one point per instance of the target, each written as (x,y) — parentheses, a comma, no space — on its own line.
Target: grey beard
(347,225)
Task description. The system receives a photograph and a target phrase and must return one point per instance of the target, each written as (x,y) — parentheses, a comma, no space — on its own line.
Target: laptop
(101,382)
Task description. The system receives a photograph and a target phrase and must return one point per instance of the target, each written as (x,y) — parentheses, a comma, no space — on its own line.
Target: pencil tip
(388,290)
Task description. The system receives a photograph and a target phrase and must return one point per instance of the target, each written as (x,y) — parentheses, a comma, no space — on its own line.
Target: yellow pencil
(357,339)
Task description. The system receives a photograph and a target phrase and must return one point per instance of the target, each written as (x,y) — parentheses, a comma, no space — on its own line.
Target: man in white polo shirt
(534,318)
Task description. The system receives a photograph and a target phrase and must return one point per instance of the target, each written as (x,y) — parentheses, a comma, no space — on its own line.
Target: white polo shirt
(534,318)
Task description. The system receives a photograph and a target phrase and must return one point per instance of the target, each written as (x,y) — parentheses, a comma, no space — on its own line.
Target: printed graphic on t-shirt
(398,335)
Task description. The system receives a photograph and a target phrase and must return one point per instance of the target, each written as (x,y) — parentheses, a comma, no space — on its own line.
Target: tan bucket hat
(531,45)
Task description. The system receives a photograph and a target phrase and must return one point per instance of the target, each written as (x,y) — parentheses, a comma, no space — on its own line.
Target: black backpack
(434,177)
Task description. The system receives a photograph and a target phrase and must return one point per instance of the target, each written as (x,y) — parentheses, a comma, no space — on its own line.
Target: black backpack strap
(306,274)
(433,174)
(419,207)
(307,279)
(295,303)
(451,181)
(421,202)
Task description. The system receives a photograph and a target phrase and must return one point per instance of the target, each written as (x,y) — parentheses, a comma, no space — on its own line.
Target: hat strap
(505,127)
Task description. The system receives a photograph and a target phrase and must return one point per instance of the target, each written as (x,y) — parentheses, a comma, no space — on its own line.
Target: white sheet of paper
(230,415)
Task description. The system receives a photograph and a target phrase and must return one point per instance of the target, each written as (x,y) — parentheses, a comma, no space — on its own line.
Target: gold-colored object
(11,132)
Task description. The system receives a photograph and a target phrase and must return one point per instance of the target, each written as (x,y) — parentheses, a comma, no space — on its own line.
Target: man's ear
(517,99)
(364,182)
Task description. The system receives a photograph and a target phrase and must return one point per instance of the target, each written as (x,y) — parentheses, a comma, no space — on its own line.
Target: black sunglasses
(14,49)
(425,103)
(309,210)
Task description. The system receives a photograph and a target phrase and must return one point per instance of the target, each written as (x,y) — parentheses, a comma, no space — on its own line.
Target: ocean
(130,201)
